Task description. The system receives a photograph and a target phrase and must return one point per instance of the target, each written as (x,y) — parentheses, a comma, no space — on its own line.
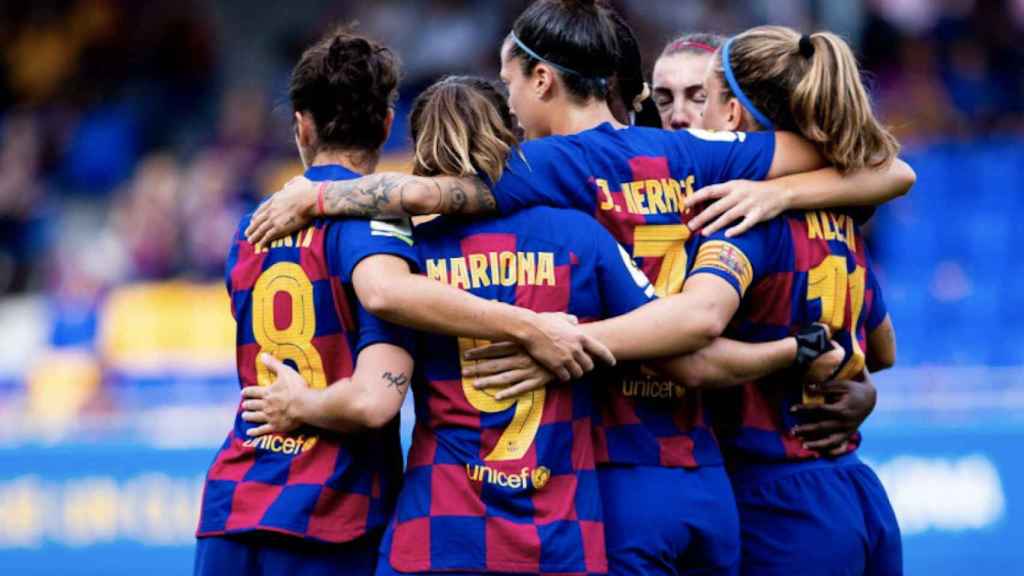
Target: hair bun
(805,46)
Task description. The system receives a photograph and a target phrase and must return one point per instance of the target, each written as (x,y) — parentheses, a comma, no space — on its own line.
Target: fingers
(260,430)
(748,222)
(730,216)
(597,349)
(584,360)
(839,450)
(272,364)
(496,350)
(830,442)
(521,388)
(255,417)
(707,193)
(253,405)
(254,223)
(820,410)
(712,211)
(575,369)
(254,392)
(562,373)
(502,380)
(482,368)
(816,429)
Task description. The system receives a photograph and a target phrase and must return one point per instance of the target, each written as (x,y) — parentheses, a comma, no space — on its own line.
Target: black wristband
(811,342)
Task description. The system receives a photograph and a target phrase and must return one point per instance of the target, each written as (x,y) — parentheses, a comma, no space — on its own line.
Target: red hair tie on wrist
(320,199)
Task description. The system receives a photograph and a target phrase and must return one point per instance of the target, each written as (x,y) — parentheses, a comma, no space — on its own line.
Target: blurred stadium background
(133,135)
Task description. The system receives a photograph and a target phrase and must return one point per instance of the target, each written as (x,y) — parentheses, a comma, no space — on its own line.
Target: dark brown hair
(461,126)
(348,83)
(575,34)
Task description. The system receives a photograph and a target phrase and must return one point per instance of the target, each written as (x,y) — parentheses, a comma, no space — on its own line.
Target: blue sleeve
(724,156)
(622,285)
(545,172)
(741,260)
(350,241)
(373,330)
(877,312)
(229,264)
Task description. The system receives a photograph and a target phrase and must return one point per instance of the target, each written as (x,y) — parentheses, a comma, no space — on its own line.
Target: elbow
(379,300)
(368,415)
(881,362)
(905,177)
(711,326)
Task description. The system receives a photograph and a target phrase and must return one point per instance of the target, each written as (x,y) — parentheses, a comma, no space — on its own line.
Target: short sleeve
(545,172)
(373,330)
(350,241)
(876,311)
(623,286)
(724,156)
(741,260)
(232,259)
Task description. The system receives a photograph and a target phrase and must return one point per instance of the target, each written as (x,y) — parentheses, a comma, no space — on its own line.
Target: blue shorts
(268,554)
(821,518)
(669,520)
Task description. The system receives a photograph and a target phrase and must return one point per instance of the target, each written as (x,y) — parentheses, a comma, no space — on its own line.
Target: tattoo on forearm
(388,196)
(398,382)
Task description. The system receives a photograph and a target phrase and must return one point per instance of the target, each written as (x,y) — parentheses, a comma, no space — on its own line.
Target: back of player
(509,485)
(800,513)
(312,501)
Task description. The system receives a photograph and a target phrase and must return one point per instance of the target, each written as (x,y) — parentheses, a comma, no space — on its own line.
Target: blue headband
(559,67)
(735,87)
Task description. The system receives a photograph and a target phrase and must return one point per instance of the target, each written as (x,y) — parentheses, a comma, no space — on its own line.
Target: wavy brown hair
(348,83)
(817,92)
(461,126)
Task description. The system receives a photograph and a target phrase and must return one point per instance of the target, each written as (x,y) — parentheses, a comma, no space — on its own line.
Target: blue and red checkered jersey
(510,485)
(634,181)
(790,272)
(294,300)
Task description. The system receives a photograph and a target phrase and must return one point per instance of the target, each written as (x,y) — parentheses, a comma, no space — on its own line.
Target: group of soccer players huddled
(638,334)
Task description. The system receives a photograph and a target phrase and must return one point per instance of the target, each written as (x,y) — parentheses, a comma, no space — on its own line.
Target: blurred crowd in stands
(133,135)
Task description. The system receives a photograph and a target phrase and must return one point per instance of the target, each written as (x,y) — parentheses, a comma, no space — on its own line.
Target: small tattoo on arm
(398,382)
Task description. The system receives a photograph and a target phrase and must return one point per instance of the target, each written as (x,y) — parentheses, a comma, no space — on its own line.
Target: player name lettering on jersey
(282,444)
(646,197)
(301,239)
(831,226)
(494,269)
(526,478)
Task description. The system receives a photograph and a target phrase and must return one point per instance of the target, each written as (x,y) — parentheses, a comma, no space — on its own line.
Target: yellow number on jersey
(830,283)
(667,241)
(295,341)
(522,430)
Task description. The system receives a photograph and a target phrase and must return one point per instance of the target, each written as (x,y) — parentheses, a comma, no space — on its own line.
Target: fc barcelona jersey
(790,272)
(294,300)
(509,486)
(634,181)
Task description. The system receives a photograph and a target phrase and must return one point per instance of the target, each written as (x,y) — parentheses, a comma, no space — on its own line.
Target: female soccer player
(678,79)
(479,459)
(801,514)
(316,501)
(556,63)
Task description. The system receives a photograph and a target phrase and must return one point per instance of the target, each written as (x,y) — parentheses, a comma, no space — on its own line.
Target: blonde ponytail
(461,127)
(812,86)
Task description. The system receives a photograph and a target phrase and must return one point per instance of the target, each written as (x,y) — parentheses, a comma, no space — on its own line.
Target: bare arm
(727,362)
(384,195)
(369,399)
(794,154)
(751,202)
(679,324)
(882,346)
(372,398)
(387,288)
(827,188)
